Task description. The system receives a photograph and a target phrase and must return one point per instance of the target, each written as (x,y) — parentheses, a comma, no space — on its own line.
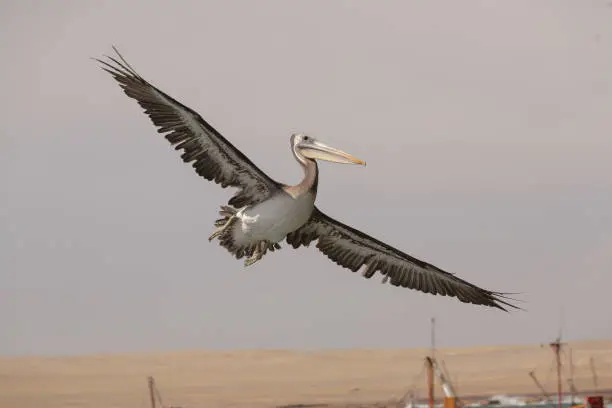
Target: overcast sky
(486,126)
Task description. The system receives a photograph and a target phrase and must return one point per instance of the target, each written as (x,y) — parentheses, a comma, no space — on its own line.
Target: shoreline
(272,378)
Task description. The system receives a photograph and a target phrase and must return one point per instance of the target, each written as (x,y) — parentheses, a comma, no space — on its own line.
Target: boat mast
(593,372)
(556,347)
(570,381)
(429,362)
(433,338)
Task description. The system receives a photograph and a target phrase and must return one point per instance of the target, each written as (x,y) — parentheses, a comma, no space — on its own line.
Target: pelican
(264,212)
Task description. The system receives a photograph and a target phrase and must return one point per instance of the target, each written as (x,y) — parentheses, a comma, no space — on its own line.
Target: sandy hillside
(270,378)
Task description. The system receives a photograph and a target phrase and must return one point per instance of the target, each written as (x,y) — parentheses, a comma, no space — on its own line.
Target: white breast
(274,218)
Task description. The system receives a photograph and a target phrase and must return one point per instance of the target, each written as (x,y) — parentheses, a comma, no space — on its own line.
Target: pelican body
(264,212)
(253,229)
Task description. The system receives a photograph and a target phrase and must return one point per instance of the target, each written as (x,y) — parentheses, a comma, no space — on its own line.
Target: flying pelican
(263,211)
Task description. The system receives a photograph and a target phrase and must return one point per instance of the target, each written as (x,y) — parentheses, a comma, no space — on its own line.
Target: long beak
(318,150)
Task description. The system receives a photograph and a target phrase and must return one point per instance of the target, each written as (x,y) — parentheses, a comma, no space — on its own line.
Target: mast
(571,379)
(433,338)
(430,360)
(556,347)
(592,365)
(430,380)
(151,383)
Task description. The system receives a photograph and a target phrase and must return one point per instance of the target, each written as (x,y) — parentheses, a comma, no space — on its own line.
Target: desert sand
(270,378)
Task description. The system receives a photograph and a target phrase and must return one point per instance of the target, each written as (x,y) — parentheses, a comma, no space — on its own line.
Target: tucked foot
(260,250)
(222,227)
(253,258)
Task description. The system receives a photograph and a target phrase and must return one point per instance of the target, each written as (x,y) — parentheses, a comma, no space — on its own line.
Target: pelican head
(310,148)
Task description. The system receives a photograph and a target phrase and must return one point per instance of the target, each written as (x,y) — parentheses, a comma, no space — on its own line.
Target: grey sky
(486,128)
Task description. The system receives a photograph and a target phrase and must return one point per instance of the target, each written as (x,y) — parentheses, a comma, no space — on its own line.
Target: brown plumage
(240,229)
(355,250)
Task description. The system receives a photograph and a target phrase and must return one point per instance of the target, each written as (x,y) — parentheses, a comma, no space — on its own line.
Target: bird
(264,212)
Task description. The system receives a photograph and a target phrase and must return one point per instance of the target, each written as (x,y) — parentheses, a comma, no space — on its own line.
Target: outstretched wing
(213,156)
(353,249)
